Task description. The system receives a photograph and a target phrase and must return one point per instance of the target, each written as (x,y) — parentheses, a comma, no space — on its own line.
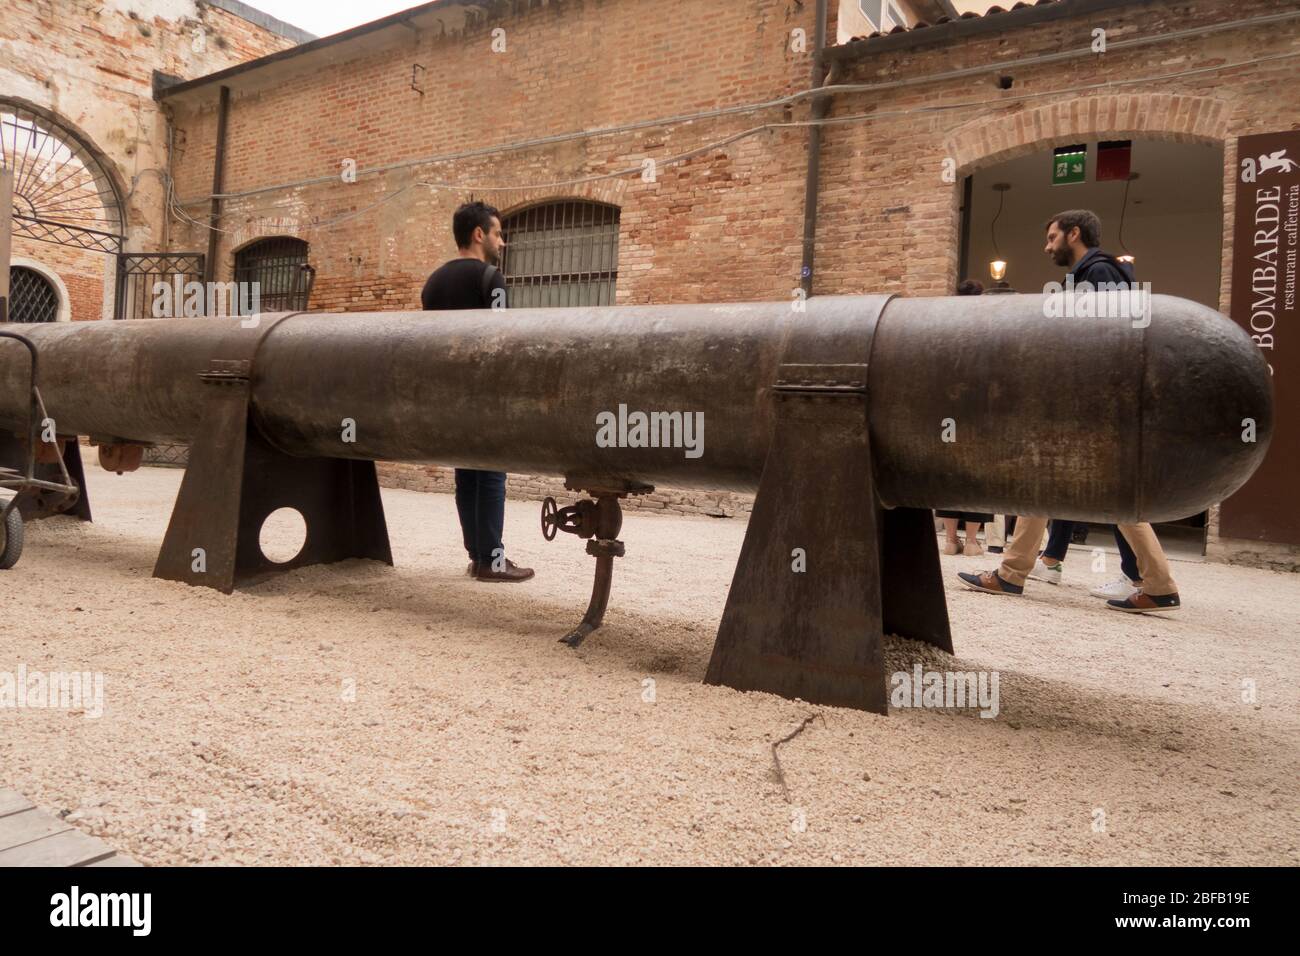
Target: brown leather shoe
(510,573)
(1139,602)
(990,582)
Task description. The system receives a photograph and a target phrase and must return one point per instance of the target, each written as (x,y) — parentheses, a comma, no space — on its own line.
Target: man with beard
(473,280)
(1074,240)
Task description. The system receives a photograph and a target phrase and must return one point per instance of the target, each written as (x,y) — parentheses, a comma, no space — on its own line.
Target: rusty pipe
(976,403)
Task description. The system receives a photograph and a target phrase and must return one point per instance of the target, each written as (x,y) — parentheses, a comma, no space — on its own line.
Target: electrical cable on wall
(796,97)
(676,159)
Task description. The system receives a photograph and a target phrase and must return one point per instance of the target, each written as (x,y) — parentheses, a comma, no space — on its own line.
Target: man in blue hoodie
(1074,240)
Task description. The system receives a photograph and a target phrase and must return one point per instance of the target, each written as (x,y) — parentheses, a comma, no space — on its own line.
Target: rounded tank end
(1207,409)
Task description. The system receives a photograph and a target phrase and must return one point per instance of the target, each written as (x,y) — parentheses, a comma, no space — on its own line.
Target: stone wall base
(1255,554)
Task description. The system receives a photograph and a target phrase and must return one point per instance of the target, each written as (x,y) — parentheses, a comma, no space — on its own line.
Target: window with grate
(32,297)
(279,267)
(561,254)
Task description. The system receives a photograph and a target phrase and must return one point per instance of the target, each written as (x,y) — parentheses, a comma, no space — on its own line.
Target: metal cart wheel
(11,539)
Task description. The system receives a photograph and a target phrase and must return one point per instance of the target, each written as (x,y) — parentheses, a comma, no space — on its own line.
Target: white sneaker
(1042,572)
(1119,590)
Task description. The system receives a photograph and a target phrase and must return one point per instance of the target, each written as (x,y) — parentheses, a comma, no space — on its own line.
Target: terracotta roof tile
(925,25)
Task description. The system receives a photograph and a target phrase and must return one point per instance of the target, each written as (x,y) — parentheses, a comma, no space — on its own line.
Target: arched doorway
(1168,216)
(1164,209)
(62,193)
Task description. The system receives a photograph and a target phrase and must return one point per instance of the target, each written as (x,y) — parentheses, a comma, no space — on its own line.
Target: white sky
(323,17)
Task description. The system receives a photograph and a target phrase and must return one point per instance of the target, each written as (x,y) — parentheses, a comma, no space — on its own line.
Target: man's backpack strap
(489,274)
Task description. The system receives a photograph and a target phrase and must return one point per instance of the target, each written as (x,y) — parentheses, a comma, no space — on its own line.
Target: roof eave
(402,17)
(971,27)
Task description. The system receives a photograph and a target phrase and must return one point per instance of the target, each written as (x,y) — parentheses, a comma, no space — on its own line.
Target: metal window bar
(562,253)
(31,296)
(279,267)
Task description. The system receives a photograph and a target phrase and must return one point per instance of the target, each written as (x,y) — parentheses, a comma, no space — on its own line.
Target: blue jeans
(481,504)
(1058,542)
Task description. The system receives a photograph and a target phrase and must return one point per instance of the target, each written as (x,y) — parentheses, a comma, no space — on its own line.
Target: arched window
(279,267)
(32,297)
(561,254)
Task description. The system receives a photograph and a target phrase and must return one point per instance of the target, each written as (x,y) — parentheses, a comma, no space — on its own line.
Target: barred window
(561,254)
(32,297)
(279,267)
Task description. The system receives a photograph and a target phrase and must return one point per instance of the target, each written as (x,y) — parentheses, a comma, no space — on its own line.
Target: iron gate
(138,272)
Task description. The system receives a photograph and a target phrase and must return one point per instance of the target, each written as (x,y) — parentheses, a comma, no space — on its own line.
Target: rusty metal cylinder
(980,403)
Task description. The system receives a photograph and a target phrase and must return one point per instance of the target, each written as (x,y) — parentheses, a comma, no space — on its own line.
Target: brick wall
(82,273)
(715,504)
(638,60)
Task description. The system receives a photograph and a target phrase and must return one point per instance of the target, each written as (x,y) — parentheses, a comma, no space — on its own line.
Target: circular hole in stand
(283,535)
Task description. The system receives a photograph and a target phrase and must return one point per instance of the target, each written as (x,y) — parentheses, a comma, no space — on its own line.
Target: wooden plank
(116,860)
(11,801)
(31,837)
(68,848)
(26,826)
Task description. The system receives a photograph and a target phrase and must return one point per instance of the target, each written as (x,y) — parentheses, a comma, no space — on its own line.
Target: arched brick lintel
(610,191)
(244,235)
(1168,116)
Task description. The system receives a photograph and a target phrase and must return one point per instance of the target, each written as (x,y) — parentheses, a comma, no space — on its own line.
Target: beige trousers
(1019,558)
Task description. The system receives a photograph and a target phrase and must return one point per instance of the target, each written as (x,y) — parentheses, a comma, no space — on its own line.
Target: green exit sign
(1069,165)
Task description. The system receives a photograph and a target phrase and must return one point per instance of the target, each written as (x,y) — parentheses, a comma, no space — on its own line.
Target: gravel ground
(357,713)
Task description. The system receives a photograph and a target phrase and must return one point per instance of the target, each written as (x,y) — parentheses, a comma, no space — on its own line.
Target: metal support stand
(235,480)
(825,572)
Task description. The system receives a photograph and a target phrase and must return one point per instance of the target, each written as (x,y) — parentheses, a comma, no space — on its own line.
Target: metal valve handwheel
(550,519)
